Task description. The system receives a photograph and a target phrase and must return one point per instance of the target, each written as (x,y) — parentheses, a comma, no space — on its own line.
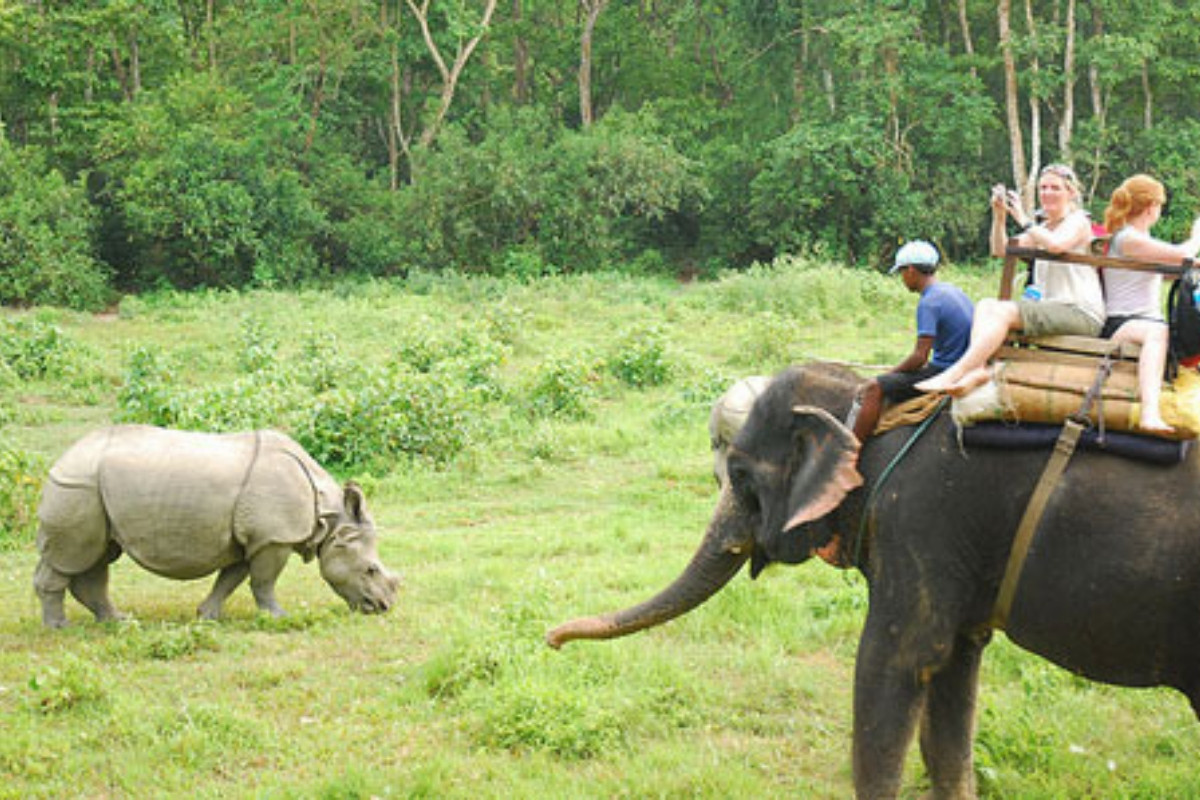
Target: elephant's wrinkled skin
(1110,589)
(185,505)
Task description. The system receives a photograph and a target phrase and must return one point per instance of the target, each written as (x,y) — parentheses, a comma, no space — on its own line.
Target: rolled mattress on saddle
(1036,391)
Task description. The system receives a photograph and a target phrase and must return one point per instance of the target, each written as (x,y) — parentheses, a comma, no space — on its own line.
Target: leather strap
(1064,447)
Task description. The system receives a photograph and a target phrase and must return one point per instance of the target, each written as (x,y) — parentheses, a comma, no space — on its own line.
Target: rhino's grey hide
(185,504)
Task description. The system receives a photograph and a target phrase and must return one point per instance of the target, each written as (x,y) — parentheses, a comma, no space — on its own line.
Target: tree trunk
(591,9)
(1148,94)
(965,26)
(1066,125)
(1028,189)
(1016,142)
(1099,110)
(451,74)
(520,90)
(210,21)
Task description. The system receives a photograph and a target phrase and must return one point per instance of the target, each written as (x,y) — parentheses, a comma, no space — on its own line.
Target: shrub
(34,349)
(389,415)
(20,487)
(46,232)
(148,393)
(641,359)
(72,684)
(562,387)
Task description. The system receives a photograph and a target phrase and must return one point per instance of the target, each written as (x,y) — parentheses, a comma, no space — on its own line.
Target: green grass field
(577,479)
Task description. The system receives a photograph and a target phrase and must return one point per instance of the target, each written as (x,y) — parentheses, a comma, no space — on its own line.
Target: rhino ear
(827,471)
(354,501)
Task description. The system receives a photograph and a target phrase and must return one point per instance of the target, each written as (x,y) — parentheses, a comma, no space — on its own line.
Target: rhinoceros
(184,505)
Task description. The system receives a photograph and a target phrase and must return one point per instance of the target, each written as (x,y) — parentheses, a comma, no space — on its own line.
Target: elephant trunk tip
(586,628)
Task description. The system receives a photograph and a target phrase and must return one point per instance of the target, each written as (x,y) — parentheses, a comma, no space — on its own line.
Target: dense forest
(236,143)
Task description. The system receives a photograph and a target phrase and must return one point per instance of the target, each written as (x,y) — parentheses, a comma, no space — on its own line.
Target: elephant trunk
(714,565)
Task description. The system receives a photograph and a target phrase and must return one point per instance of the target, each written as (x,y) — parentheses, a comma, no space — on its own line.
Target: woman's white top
(1078,284)
(1128,292)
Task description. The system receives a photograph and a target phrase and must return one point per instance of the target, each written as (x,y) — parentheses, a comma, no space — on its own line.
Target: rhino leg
(264,571)
(51,587)
(228,579)
(90,588)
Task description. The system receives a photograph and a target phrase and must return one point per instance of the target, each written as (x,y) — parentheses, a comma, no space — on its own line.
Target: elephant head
(789,466)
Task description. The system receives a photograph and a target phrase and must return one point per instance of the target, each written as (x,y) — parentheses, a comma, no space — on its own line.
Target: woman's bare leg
(1152,336)
(993,320)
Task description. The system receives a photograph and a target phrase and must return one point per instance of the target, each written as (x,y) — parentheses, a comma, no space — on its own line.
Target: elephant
(1110,588)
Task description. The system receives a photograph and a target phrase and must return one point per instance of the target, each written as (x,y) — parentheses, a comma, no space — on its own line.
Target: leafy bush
(20,487)
(389,415)
(561,387)
(471,354)
(72,684)
(46,236)
(641,359)
(534,198)
(148,393)
(198,199)
(34,349)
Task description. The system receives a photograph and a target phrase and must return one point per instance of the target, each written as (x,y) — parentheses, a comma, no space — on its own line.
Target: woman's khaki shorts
(1053,317)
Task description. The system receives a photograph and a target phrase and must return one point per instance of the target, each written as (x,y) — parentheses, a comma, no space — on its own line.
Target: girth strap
(1064,447)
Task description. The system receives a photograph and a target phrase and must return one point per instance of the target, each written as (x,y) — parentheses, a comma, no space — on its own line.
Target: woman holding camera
(1062,298)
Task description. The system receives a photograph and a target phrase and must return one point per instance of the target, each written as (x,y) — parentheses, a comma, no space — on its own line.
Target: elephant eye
(742,481)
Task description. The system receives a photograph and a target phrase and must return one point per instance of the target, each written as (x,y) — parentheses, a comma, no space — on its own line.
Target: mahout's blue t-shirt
(945,313)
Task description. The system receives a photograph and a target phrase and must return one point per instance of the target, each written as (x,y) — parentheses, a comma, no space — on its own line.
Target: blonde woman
(1133,298)
(1067,298)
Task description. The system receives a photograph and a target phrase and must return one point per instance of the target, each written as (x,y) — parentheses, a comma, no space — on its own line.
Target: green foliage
(390,415)
(21,475)
(562,387)
(135,641)
(641,359)
(199,202)
(533,199)
(32,349)
(73,683)
(147,391)
(46,229)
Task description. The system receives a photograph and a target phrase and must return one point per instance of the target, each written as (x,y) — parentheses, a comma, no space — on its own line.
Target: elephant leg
(51,587)
(889,695)
(91,589)
(227,580)
(948,727)
(264,571)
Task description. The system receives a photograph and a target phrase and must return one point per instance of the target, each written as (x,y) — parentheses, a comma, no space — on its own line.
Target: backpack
(1183,314)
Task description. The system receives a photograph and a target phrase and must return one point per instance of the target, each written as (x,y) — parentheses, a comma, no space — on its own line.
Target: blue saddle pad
(1030,436)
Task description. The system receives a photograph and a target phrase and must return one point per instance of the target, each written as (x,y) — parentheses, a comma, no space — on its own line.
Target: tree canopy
(198,143)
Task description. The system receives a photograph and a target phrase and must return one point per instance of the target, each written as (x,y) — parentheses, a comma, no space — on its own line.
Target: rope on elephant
(855,365)
(941,402)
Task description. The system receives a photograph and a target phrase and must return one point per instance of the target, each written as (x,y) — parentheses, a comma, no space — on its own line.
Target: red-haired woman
(1133,298)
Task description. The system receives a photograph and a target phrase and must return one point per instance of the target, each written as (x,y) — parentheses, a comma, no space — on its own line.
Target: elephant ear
(828,469)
